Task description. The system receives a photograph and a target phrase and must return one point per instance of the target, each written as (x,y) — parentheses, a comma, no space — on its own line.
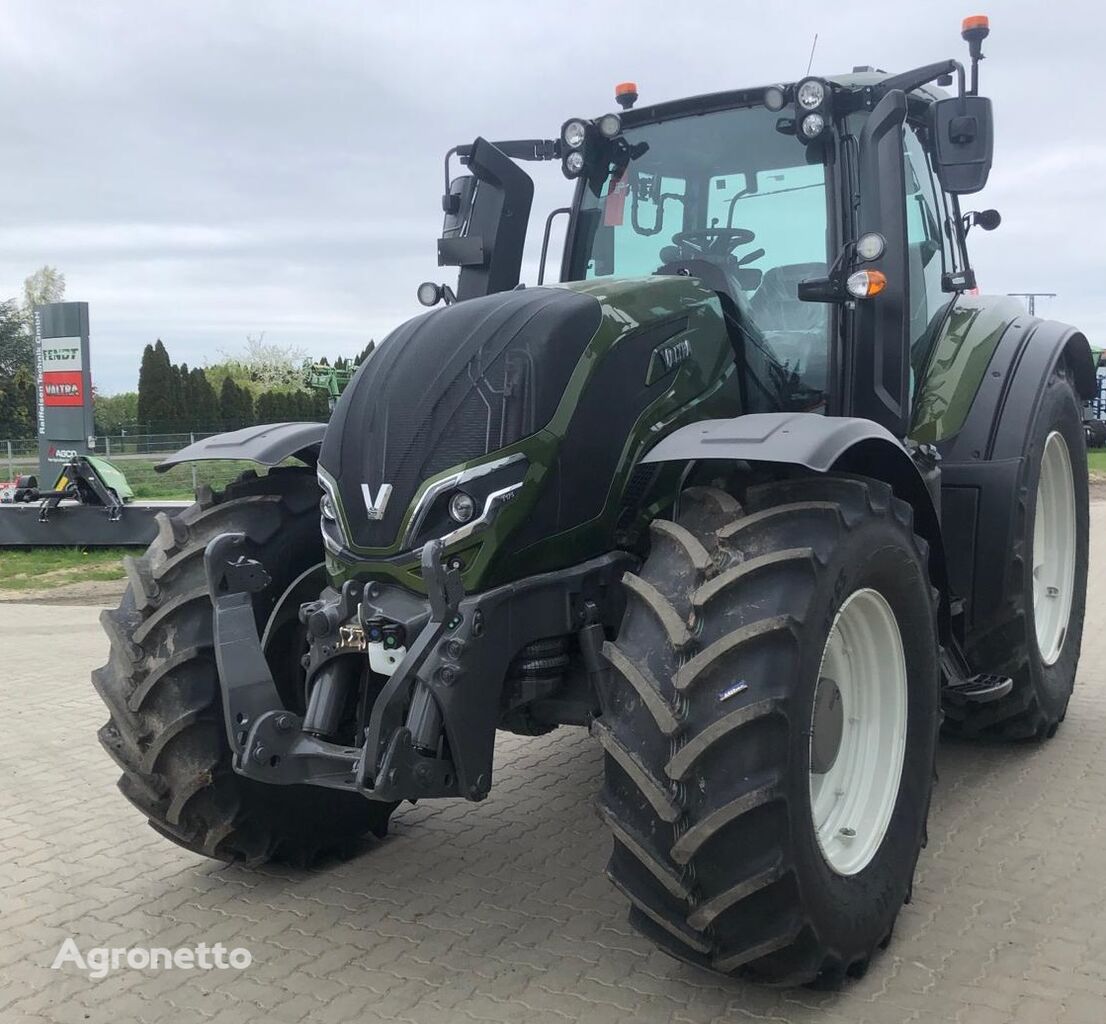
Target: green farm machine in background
(757,492)
(331,379)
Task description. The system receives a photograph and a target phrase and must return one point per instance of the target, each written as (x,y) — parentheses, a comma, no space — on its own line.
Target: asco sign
(61,372)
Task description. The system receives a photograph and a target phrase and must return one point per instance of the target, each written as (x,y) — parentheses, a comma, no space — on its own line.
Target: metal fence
(19,453)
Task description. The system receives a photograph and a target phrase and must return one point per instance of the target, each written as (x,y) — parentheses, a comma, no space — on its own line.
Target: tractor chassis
(451,677)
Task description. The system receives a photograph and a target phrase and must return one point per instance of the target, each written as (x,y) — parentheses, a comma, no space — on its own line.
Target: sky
(202,171)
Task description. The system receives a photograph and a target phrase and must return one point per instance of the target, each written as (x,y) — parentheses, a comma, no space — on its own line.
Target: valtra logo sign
(62,387)
(62,372)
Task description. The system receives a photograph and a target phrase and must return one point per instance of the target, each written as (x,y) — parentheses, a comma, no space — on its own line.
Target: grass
(34,568)
(176,483)
(173,485)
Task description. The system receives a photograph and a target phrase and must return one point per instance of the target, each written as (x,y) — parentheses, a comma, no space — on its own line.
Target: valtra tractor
(761,492)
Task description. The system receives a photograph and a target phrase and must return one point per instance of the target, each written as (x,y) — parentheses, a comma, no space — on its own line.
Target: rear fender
(267,444)
(982,462)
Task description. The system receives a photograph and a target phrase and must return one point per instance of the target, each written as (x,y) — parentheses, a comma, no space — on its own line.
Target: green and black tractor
(761,492)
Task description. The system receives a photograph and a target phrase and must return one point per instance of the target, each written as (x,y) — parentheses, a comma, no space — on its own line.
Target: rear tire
(708,724)
(1008,644)
(161,685)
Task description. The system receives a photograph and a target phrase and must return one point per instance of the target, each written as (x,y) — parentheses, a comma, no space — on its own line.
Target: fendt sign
(64,386)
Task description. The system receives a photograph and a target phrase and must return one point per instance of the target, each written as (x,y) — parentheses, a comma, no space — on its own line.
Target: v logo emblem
(375,506)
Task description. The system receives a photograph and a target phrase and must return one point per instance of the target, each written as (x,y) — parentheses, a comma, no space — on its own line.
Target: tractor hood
(445,388)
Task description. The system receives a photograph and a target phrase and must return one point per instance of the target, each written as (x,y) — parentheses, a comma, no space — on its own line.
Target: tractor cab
(796,204)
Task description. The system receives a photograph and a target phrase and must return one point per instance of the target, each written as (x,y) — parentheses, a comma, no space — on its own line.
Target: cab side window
(924,239)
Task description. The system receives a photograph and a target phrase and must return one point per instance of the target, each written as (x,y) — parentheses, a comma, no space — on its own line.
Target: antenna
(813,47)
(1031,299)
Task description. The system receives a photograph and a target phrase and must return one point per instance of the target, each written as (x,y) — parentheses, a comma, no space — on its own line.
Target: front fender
(845,444)
(797,438)
(267,444)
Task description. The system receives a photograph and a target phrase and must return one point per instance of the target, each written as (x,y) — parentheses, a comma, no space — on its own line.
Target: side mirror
(486,213)
(962,130)
(458,246)
(458,205)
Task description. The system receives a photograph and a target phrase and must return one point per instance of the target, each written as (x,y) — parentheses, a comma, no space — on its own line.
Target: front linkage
(431,728)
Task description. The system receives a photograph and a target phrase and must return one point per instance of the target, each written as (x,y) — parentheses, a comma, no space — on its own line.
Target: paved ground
(500,911)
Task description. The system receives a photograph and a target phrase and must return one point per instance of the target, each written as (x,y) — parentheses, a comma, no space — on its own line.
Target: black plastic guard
(795,438)
(982,462)
(267,444)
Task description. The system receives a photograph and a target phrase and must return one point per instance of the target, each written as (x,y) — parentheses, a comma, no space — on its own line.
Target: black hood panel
(447,387)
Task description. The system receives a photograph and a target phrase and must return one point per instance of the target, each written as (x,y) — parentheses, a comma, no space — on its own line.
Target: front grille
(449,387)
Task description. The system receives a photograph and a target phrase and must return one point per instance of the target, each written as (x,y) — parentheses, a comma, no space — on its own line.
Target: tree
(159,400)
(17,375)
(47,284)
(203,409)
(236,405)
(17,404)
(115,413)
(266,364)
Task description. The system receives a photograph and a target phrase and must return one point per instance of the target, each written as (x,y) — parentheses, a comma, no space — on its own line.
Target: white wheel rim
(851,803)
(1053,548)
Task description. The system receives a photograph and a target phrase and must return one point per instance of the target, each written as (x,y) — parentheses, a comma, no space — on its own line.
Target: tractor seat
(740,322)
(775,305)
(795,330)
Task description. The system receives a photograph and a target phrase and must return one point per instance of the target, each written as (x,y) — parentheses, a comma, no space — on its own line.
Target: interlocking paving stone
(499,911)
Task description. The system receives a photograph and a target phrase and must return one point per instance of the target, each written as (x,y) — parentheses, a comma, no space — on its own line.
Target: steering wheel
(714,241)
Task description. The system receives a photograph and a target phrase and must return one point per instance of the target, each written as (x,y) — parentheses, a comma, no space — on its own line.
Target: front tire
(161,685)
(711,733)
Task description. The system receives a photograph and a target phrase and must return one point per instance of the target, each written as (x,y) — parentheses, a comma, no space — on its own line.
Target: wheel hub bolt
(847,833)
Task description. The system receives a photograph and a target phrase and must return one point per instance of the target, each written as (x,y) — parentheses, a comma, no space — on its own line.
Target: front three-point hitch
(423,676)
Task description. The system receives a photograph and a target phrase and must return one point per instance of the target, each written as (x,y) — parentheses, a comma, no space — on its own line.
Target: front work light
(866,283)
(609,125)
(870,246)
(774,98)
(811,94)
(429,293)
(574,163)
(574,133)
(813,125)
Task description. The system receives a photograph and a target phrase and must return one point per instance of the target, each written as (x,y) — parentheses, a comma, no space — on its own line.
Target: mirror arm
(450,203)
(830,288)
(916,78)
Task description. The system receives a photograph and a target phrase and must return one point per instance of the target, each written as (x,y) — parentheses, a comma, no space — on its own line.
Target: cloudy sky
(204,170)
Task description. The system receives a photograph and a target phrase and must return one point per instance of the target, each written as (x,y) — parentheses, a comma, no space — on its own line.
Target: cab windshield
(727,198)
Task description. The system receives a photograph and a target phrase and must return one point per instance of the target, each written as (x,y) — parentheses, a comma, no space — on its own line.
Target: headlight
(811,94)
(574,163)
(813,125)
(574,133)
(334,537)
(461,507)
(465,503)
